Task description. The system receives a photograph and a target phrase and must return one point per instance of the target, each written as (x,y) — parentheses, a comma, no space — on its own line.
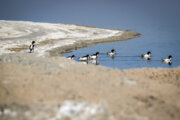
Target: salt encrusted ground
(16,36)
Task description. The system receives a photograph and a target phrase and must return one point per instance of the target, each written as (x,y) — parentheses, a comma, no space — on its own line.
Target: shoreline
(80,44)
(50,37)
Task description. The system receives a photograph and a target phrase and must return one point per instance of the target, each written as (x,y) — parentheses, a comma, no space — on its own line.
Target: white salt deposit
(80,111)
(128,81)
(9,112)
(17,33)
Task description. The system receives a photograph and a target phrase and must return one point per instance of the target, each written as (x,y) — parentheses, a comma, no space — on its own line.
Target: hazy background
(104,13)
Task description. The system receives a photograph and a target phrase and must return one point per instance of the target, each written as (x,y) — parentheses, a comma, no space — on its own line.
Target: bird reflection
(84,62)
(113,57)
(170,63)
(94,62)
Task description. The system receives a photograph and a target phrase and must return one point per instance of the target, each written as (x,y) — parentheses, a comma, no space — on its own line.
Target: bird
(94,56)
(112,53)
(84,58)
(31,47)
(167,60)
(147,55)
(71,57)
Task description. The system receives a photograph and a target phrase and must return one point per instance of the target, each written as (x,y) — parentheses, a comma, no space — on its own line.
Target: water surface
(157,21)
(128,55)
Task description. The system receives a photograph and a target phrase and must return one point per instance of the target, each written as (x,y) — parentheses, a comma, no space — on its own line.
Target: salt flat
(19,34)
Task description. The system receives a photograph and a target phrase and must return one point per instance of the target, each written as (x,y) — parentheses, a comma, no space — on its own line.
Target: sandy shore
(54,88)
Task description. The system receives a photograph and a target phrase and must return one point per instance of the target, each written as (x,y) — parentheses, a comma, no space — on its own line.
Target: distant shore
(53,39)
(80,44)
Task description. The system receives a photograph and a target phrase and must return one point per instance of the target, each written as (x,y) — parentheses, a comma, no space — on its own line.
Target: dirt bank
(39,88)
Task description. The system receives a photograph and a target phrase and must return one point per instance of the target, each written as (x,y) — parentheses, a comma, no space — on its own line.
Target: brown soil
(29,83)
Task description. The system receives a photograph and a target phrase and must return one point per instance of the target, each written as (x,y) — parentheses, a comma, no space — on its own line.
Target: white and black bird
(31,47)
(147,55)
(111,53)
(71,57)
(94,56)
(167,60)
(84,58)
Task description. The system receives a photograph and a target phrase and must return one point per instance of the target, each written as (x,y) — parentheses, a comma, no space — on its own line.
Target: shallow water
(128,55)
(161,38)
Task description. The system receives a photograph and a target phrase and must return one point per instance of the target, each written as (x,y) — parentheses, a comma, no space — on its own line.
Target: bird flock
(93,58)
(89,58)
